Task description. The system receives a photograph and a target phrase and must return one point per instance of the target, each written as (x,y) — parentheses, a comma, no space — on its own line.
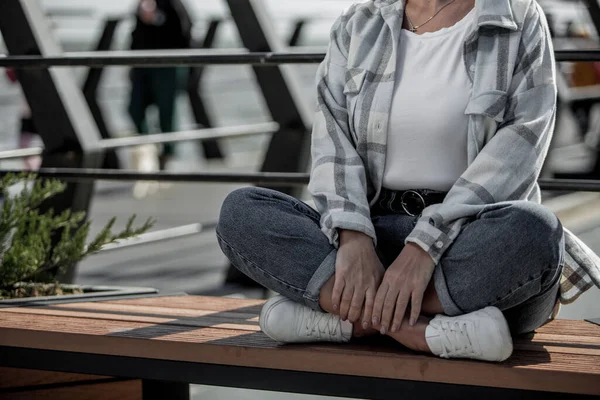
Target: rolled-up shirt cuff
(429,238)
(332,223)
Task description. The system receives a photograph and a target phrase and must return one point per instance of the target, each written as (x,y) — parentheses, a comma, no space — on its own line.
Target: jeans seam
(259,268)
(310,213)
(535,277)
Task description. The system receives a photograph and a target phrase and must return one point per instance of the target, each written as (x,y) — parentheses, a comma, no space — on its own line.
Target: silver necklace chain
(413,27)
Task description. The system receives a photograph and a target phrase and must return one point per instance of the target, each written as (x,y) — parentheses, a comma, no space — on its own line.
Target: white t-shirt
(427,137)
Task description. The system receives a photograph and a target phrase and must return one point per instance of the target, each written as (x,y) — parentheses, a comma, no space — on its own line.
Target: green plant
(35,246)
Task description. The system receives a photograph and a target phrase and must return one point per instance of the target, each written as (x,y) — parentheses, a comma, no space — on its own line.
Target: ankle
(358,331)
(413,337)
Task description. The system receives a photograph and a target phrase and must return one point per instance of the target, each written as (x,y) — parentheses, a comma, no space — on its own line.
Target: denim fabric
(509,256)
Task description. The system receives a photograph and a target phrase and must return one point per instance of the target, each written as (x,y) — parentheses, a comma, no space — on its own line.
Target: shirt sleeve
(508,166)
(338,183)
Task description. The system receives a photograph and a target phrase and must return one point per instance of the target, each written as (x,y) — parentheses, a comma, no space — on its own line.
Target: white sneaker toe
(273,318)
(286,321)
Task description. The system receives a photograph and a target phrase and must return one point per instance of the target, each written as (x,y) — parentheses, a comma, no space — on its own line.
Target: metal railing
(156,59)
(226,132)
(211,57)
(256,178)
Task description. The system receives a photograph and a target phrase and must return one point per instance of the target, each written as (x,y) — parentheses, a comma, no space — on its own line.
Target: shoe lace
(456,340)
(321,325)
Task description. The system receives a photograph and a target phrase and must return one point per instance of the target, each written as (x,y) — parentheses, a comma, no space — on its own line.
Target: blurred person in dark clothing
(160,24)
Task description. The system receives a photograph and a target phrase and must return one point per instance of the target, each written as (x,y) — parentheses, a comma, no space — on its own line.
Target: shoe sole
(507,344)
(266,310)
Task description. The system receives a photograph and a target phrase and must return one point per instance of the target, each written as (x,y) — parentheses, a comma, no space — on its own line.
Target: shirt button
(472,68)
(439,244)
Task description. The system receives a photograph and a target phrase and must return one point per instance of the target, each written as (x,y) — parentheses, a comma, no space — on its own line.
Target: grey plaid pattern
(510,60)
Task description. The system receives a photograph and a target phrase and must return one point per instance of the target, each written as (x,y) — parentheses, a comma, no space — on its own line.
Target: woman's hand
(405,280)
(358,273)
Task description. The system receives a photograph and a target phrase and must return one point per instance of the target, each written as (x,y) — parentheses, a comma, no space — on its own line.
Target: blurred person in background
(587,111)
(160,24)
(582,74)
(434,119)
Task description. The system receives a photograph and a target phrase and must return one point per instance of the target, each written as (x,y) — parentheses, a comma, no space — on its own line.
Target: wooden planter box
(25,384)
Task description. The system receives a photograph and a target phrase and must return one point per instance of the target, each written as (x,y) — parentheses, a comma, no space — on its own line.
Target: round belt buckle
(412,203)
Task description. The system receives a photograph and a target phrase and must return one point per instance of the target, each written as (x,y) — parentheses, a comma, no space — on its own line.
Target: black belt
(411,202)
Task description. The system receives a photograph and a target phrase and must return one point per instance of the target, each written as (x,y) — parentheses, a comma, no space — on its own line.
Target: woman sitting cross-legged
(434,119)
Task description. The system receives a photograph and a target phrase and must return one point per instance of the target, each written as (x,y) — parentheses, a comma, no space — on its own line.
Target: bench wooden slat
(146,328)
(556,349)
(570,339)
(131,329)
(193,303)
(191,318)
(570,328)
(240,313)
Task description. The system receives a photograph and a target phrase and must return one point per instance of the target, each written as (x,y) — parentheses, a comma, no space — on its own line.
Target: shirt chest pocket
(491,104)
(354,90)
(487,110)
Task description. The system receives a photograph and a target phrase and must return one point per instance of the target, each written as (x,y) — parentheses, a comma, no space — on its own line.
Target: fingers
(356,305)
(336,295)
(401,305)
(346,300)
(415,304)
(388,310)
(379,302)
(367,316)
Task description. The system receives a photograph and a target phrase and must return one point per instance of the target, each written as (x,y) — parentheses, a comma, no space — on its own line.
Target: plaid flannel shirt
(510,60)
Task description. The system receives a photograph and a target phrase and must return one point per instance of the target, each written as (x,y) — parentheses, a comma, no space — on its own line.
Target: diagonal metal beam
(288,149)
(281,88)
(90,89)
(63,119)
(56,102)
(211,148)
(297,33)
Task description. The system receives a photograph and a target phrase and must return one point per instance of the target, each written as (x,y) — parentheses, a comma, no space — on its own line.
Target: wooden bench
(154,347)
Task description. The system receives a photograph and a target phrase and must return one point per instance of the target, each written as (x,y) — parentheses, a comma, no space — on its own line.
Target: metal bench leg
(161,390)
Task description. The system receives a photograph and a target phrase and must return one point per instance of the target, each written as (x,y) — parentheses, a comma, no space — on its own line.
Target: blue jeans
(509,256)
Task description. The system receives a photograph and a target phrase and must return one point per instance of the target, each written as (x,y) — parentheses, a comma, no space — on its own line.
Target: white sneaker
(480,335)
(286,321)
